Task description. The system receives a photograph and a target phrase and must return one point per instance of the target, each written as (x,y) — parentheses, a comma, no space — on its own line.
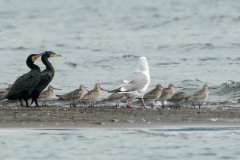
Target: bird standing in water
(24,85)
(46,76)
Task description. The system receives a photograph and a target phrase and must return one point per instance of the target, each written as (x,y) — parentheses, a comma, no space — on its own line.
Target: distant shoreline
(111,117)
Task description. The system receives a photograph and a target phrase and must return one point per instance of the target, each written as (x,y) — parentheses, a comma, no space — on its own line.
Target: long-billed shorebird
(73,96)
(137,83)
(4,91)
(200,96)
(167,93)
(178,98)
(92,96)
(115,97)
(154,94)
(46,95)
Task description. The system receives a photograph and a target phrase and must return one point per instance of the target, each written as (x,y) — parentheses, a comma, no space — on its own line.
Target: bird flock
(32,84)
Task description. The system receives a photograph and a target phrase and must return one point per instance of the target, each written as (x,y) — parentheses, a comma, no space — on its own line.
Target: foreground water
(165,143)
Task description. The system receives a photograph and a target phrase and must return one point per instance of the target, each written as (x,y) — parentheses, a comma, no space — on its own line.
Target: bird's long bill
(55,55)
(36,56)
(86,89)
(177,87)
(56,88)
(103,89)
(212,87)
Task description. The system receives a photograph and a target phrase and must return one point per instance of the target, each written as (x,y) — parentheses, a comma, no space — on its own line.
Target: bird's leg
(193,105)
(144,103)
(20,99)
(163,104)
(199,105)
(36,102)
(128,105)
(26,101)
(152,104)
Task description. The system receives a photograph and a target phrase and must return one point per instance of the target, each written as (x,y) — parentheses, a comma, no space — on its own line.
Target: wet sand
(77,117)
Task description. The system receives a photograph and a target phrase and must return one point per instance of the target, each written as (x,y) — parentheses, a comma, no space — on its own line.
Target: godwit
(167,93)
(4,91)
(178,98)
(92,96)
(46,96)
(115,97)
(136,84)
(154,94)
(73,96)
(200,96)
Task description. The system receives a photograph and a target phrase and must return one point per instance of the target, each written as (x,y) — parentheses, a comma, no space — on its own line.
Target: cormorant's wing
(24,82)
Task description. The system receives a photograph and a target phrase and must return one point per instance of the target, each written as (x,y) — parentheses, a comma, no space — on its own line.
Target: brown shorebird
(115,97)
(200,96)
(167,93)
(73,96)
(154,94)
(92,96)
(46,95)
(4,91)
(178,98)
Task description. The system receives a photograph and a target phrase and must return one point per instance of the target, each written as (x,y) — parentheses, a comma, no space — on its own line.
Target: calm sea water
(180,143)
(101,41)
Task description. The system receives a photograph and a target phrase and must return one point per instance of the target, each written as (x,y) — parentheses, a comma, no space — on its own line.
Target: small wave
(208,58)
(19,48)
(72,64)
(170,63)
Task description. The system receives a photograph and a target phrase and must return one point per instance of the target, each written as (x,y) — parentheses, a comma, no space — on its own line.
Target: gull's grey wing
(135,81)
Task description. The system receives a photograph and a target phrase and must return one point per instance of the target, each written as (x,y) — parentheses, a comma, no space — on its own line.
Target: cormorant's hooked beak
(56,55)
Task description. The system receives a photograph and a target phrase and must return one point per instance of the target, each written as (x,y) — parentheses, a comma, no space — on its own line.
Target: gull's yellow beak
(55,55)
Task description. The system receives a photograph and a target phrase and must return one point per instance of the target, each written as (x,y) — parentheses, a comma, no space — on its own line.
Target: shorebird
(73,96)
(4,91)
(115,97)
(167,93)
(46,95)
(154,94)
(200,96)
(178,98)
(137,83)
(92,96)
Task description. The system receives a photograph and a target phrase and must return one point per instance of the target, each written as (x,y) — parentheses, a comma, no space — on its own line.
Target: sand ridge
(56,116)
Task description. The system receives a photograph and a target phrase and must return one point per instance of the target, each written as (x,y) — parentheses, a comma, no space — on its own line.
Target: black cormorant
(46,76)
(24,85)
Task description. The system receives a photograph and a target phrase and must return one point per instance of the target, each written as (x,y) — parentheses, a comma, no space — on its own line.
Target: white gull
(136,84)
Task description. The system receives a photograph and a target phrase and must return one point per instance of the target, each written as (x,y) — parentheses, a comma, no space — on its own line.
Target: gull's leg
(128,105)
